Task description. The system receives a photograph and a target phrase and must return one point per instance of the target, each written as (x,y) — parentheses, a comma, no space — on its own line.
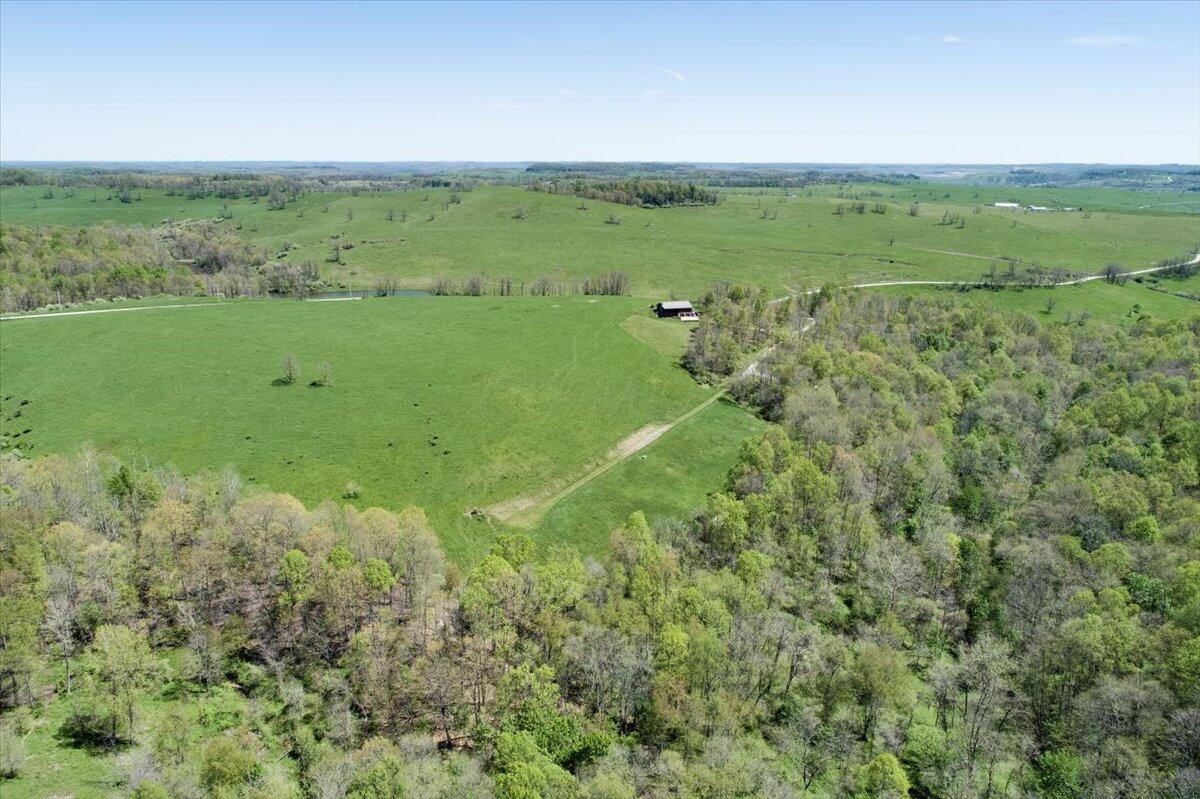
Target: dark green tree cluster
(636,192)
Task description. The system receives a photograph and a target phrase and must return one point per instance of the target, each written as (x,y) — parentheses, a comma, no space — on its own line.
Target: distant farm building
(1038,208)
(1007,205)
(679,309)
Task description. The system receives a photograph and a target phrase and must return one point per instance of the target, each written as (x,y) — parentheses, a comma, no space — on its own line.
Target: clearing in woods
(446,403)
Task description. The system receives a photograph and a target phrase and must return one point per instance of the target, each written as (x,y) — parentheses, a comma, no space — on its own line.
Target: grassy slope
(672,476)
(518,393)
(1105,302)
(681,250)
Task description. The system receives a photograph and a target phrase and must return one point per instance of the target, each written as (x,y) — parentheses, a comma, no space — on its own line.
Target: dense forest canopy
(964,563)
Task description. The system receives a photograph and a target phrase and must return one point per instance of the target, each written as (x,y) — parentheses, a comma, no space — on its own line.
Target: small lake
(343,294)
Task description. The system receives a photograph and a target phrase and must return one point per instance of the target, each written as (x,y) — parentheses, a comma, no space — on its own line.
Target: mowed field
(770,237)
(446,403)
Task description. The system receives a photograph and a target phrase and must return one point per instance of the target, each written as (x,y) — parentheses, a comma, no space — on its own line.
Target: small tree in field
(291,368)
(324,375)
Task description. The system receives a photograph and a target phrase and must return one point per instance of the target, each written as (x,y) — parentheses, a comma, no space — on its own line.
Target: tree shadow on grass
(282,381)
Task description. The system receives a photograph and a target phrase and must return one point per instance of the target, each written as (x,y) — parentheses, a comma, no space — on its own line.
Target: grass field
(445,403)
(1105,302)
(799,243)
(693,459)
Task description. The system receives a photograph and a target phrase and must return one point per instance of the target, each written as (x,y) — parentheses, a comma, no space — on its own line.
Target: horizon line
(515,162)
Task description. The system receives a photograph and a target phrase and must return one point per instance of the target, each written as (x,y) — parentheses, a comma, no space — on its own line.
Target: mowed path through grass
(445,403)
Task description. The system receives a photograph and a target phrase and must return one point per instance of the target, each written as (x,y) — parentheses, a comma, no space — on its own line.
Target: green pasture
(446,403)
(1104,302)
(775,238)
(675,474)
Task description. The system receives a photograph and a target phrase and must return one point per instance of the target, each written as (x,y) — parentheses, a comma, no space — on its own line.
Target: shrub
(150,790)
(12,751)
(230,761)
(324,375)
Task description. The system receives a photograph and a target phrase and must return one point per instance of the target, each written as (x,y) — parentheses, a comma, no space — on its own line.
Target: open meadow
(1096,300)
(775,238)
(446,403)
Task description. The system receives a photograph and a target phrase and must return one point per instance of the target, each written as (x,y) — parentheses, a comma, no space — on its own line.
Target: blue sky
(870,82)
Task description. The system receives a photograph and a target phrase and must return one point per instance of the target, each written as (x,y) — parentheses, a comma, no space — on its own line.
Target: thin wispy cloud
(654,92)
(672,73)
(1104,40)
(951,38)
(912,38)
(566,92)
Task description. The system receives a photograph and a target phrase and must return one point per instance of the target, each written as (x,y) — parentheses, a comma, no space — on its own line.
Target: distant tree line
(613,283)
(637,192)
(750,176)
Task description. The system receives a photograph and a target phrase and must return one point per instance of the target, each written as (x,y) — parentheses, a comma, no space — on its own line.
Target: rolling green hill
(765,237)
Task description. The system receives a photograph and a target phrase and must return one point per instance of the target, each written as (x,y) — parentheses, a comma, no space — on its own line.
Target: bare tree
(324,375)
(290,368)
(613,283)
(545,286)
(475,286)
(59,622)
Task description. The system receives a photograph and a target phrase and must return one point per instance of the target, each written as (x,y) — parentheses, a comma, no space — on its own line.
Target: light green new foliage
(445,403)
(800,243)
